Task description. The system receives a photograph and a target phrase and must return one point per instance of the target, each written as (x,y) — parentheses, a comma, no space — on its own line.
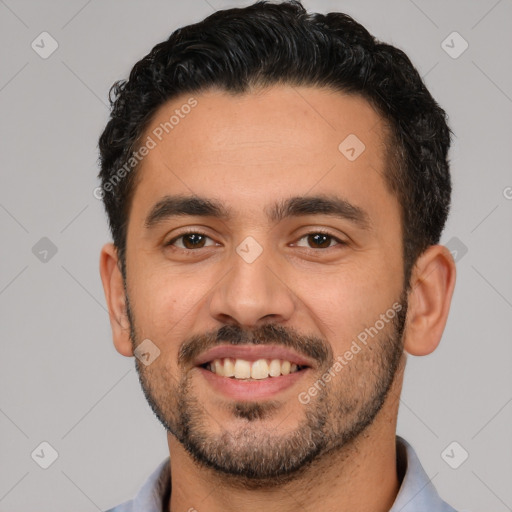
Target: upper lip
(252,353)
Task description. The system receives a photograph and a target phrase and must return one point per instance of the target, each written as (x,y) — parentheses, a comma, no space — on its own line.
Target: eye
(190,241)
(319,240)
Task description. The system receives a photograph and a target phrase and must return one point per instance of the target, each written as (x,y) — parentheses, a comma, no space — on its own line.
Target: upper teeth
(259,369)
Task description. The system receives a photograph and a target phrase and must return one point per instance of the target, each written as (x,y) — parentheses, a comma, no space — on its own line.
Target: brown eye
(191,241)
(318,240)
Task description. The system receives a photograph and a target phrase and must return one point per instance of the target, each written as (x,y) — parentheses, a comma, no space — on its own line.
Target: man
(276,184)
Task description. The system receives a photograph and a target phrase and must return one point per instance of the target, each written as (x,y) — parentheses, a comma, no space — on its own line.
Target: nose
(252,293)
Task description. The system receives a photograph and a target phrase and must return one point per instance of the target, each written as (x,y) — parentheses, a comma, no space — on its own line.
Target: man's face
(257,276)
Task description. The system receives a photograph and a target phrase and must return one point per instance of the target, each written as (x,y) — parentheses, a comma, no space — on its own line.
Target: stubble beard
(254,456)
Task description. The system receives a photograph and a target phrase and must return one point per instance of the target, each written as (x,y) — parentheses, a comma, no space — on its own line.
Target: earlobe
(431,290)
(113,287)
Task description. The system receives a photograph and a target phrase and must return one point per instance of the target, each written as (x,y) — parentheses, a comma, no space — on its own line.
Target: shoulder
(127,506)
(151,495)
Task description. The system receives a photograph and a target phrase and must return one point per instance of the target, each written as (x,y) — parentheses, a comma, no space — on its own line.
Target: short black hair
(268,44)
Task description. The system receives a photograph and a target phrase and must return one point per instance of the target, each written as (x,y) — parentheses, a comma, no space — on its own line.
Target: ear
(430,295)
(113,287)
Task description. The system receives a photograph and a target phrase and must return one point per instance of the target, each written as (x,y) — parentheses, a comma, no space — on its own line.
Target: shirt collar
(417,493)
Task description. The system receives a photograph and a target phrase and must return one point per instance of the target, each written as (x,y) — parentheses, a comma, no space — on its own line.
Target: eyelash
(315,232)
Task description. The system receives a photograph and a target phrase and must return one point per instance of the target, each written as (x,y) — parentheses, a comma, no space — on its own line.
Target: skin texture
(249,152)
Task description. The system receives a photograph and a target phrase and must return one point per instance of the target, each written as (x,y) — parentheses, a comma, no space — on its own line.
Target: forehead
(249,148)
(304,118)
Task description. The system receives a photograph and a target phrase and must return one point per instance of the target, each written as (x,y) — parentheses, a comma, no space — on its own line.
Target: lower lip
(238,389)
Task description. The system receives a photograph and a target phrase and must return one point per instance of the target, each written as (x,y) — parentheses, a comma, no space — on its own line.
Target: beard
(254,454)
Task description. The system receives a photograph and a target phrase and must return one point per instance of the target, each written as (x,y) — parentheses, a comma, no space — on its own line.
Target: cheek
(344,302)
(164,303)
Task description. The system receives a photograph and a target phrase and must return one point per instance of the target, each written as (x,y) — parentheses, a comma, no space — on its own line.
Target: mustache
(269,334)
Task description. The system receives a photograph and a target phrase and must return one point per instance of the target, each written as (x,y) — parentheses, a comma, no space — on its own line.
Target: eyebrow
(176,206)
(319,205)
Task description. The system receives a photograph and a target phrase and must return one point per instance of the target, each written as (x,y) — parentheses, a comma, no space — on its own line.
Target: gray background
(61,380)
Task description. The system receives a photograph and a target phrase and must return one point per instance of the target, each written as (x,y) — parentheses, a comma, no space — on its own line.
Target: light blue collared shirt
(416,494)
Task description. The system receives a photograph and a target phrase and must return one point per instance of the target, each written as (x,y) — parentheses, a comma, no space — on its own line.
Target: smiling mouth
(242,369)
